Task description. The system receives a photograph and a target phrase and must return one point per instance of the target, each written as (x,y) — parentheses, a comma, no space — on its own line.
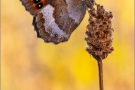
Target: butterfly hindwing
(57,20)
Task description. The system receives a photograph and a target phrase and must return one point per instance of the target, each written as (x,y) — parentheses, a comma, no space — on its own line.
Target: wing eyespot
(55,35)
(36,1)
(39,5)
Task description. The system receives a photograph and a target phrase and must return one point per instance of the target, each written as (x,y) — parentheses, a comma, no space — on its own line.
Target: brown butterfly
(55,20)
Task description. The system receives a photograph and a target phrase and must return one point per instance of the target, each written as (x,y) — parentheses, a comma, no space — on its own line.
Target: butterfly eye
(36,1)
(39,5)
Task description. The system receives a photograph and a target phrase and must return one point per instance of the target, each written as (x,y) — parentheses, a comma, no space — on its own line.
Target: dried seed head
(99,33)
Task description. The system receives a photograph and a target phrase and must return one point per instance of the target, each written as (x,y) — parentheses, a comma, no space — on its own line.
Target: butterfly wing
(57,20)
(34,6)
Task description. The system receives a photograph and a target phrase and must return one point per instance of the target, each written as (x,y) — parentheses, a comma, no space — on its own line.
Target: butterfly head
(89,3)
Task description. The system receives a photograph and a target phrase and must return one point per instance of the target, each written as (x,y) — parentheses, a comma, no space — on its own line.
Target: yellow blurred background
(30,64)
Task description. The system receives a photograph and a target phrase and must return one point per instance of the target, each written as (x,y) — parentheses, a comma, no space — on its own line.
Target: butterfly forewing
(34,6)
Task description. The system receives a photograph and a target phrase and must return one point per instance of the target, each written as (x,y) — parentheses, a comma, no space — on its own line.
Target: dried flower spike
(99,33)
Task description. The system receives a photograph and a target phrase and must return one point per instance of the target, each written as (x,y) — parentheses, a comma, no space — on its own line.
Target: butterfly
(55,20)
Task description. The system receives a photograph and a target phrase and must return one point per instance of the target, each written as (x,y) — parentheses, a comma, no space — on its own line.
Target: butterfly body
(55,20)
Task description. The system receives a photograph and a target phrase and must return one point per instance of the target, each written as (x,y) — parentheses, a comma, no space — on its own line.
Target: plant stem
(100,69)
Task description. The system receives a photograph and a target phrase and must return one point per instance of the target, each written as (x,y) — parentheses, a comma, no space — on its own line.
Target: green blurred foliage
(30,64)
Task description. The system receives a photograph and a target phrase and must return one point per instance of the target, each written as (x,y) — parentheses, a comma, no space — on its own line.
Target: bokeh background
(27,63)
